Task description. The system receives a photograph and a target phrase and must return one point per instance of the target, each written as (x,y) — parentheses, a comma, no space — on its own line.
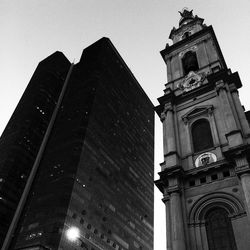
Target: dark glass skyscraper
(22,137)
(96,172)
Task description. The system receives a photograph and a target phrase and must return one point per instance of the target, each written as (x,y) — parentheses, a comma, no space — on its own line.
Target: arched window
(189,62)
(201,135)
(219,230)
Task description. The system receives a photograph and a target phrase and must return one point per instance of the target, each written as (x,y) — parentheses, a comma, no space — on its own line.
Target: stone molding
(229,202)
(197,112)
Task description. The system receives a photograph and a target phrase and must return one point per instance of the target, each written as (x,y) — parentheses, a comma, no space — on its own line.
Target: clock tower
(205,175)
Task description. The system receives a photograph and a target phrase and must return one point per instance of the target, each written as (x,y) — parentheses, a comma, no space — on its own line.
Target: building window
(189,62)
(201,135)
(219,230)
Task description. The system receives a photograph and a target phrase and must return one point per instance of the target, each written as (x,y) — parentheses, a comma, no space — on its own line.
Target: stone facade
(205,174)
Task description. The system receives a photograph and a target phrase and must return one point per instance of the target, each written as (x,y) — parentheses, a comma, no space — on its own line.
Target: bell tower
(205,175)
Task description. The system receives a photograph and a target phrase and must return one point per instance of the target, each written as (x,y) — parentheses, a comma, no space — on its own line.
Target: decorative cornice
(197,111)
(161,184)
(171,171)
(237,151)
(208,168)
(227,76)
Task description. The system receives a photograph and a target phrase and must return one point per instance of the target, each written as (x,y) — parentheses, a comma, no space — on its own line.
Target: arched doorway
(219,230)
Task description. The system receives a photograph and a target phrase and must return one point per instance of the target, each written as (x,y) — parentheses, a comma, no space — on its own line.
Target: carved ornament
(191,81)
(205,159)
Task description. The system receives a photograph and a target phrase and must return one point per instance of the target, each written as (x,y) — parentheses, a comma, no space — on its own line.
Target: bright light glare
(73,233)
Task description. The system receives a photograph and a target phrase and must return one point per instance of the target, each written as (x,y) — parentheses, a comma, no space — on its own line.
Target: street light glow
(73,233)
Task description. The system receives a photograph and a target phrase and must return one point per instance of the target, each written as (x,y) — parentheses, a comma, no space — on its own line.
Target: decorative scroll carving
(205,159)
(192,81)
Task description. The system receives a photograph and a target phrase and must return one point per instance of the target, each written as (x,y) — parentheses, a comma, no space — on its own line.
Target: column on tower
(166,201)
(240,111)
(233,133)
(213,127)
(177,225)
(169,147)
(243,171)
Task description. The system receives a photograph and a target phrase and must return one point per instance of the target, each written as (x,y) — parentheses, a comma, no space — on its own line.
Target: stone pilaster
(188,136)
(233,134)
(240,112)
(169,136)
(177,225)
(166,201)
(169,129)
(243,171)
(213,127)
(245,182)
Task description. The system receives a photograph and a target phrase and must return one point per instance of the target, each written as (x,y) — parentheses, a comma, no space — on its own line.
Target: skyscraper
(205,176)
(23,135)
(95,177)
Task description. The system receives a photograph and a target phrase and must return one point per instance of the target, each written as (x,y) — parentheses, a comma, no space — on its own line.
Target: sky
(31,30)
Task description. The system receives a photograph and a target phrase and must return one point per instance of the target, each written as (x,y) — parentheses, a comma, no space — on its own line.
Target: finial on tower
(186,16)
(186,13)
(188,25)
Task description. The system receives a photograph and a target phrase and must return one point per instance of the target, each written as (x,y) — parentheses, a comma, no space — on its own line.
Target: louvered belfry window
(189,62)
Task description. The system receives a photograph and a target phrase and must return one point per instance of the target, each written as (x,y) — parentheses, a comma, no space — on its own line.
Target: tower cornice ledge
(161,185)
(171,171)
(236,151)
(208,168)
(168,97)
(225,75)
